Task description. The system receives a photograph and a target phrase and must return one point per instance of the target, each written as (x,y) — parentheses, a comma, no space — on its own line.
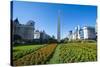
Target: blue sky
(45,16)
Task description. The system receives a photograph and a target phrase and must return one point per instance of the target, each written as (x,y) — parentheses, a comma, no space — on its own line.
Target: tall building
(23,31)
(58,27)
(75,33)
(89,33)
(82,33)
(37,34)
(41,36)
(70,35)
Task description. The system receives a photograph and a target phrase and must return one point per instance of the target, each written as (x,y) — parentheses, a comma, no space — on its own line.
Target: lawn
(74,52)
(78,52)
(39,56)
(22,50)
(55,53)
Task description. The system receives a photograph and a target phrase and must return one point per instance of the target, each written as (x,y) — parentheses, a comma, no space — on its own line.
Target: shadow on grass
(16,50)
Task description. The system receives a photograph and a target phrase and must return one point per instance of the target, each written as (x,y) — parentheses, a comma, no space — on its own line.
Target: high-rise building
(70,35)
(86,32)
(89,33)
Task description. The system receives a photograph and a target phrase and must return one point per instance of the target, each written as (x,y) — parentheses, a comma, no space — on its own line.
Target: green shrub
(74,41)
(88,41)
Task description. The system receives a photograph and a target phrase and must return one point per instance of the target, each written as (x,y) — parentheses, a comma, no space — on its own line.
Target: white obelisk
(58,27)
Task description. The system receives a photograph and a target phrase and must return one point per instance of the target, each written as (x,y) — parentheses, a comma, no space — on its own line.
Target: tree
(17,37)
(53,37)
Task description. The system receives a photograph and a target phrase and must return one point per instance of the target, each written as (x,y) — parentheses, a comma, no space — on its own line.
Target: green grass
(38,57)
(55,58)
(74,52)
(63,53)
(20,51)
(78,52)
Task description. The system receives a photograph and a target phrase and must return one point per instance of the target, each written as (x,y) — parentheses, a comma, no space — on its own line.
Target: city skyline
(45,16)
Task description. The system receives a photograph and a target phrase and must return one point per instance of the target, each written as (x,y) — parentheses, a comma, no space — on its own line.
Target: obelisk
(58,27)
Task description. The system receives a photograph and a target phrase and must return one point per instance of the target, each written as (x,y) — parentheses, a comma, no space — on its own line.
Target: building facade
(41,35)
(82,33)
(89,33)
(24,31)
(27,33)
